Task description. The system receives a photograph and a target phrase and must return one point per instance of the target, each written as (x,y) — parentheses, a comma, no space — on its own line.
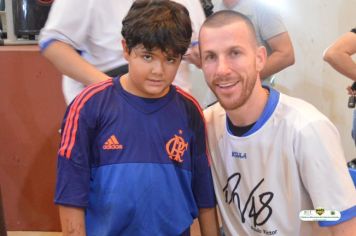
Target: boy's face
(231,62)
(150,72)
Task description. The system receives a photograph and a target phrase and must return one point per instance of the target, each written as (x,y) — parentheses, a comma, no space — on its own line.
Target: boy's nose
(157,67)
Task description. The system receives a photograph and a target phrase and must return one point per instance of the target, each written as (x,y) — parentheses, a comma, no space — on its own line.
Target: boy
(133,156)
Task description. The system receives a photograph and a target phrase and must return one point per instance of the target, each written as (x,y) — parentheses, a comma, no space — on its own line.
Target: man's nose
(223,67)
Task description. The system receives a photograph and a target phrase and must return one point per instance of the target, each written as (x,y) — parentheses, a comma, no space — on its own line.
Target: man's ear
(125,49)
(261,57)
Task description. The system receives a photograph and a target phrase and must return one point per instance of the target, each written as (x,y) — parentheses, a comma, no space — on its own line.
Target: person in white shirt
(270,32)
(83,41)
(339,56)
(273,155)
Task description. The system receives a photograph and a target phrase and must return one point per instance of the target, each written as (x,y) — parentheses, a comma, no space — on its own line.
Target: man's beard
(234,102)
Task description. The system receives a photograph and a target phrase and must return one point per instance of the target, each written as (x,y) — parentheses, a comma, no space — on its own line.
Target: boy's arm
(347,228)
(70,63)
(72,221)
(208,221)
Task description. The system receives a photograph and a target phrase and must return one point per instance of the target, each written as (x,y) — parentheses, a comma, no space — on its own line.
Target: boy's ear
(261,57)
(125,49)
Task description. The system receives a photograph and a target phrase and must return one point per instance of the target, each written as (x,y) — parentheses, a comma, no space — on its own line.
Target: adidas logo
(112,144)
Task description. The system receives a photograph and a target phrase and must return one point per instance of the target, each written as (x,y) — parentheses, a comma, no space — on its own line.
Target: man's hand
(193,56)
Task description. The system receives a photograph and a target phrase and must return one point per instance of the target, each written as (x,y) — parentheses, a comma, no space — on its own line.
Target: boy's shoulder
(90,91)
(191,103)
(91,97)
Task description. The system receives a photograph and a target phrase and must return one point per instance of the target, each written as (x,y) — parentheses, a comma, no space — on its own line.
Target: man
(270,32)
(272,155)
(338,55)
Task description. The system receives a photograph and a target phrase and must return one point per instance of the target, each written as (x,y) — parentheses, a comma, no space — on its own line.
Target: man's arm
(208,221)
(70,63)
(338,55)
(347,228)
(281,57)
(72,221)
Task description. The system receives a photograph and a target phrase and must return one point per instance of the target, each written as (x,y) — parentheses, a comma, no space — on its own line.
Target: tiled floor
(195,231)
(31,233)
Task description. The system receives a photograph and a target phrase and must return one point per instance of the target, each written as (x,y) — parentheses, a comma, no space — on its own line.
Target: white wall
(313,25)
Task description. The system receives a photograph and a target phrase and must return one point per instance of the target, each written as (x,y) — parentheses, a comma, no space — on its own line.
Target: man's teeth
(226,85)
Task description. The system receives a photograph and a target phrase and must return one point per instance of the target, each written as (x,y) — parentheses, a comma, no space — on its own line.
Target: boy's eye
(147,57)
(171,60)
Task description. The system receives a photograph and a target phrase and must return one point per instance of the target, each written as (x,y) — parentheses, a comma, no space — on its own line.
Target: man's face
(150,72)
(231,62)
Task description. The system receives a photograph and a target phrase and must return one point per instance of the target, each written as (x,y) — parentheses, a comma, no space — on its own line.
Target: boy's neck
(127,85)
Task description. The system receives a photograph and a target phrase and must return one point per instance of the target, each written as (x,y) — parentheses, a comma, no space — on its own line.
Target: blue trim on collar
(272,102)
(346,215)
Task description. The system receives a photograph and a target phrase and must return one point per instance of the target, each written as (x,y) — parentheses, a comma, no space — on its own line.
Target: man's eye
(234,53)
(209,57)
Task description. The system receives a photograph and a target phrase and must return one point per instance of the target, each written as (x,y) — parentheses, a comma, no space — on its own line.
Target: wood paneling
(31,110)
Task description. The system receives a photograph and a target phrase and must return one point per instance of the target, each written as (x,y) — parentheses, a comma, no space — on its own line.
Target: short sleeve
(196,14)
(202,179)
(270,22)
(68,21)
(73,161)
(323,168)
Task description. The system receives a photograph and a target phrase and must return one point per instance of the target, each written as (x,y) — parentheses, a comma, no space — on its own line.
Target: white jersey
(291,160)
(93,27)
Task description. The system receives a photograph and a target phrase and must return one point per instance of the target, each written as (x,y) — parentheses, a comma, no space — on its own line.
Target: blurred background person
(83,41)
(339,56)
(270,32)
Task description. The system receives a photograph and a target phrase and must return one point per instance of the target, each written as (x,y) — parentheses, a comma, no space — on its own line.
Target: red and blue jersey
(138,166)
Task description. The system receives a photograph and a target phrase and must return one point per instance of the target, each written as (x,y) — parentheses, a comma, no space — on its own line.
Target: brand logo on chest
(112,144)
(176,147)
(239,155)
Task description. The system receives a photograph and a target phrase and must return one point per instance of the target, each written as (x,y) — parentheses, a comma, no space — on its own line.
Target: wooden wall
(31,110)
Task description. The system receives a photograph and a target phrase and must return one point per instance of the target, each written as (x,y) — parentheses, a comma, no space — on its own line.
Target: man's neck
(251,111)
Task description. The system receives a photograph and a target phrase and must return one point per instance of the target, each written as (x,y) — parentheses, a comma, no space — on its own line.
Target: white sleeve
(323,167)
(270,22)
(68,21)
(196,14)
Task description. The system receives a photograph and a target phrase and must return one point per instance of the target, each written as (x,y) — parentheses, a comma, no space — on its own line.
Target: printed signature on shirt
(260,215)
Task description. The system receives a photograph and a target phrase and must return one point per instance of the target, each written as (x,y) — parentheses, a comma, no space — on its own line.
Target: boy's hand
(208,221)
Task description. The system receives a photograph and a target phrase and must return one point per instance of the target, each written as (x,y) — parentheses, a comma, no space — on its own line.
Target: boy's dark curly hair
(158,24)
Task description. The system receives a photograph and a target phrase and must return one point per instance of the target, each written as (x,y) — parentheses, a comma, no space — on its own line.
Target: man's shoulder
(296,109)
(213,112)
